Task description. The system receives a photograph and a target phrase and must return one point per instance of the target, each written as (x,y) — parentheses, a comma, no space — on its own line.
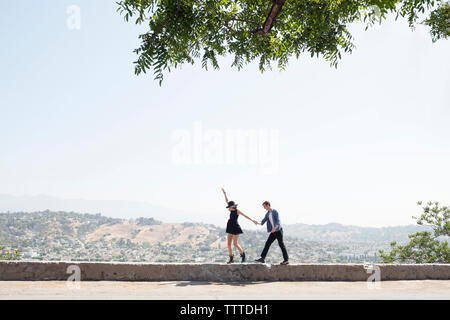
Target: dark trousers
(279,236)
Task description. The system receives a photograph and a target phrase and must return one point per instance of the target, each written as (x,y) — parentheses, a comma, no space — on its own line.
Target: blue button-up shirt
(276,220)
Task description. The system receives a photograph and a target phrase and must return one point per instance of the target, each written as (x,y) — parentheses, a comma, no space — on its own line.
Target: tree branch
(271,17)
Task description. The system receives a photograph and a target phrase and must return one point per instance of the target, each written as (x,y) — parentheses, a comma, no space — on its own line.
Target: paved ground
(408,289)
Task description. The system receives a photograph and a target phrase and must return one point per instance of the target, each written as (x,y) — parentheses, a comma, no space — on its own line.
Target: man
(276,232)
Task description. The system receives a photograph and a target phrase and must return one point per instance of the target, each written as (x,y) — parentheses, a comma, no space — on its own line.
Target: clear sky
(356,145)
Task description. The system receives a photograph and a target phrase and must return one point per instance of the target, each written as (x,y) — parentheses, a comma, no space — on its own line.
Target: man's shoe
(260,260)
(285,262)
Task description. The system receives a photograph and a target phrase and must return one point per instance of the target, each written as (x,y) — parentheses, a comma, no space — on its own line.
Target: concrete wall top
(217,272)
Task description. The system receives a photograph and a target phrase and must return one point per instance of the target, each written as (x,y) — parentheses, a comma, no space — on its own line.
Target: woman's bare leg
(229,240)
(235,242)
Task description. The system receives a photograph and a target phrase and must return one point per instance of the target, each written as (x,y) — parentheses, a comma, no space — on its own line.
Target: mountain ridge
(51,235)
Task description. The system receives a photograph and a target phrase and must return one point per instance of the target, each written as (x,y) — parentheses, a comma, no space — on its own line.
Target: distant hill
(24,227)
(335,232)
(109,208)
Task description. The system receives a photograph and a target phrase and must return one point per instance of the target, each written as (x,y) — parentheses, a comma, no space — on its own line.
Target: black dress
(233,226)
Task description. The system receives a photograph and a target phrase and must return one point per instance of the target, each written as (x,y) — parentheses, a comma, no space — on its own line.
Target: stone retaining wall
(127,271)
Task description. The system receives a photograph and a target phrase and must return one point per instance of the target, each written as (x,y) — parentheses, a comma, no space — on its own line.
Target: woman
(233,228)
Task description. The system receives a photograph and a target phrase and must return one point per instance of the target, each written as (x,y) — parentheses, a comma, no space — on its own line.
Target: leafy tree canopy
(269,31)
(425,247)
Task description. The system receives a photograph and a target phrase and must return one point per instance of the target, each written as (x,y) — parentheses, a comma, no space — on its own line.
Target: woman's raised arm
(225,194)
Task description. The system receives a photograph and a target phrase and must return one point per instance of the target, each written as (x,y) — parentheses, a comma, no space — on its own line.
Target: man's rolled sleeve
(264,220)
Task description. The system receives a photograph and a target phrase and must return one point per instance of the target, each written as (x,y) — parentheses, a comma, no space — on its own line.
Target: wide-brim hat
(231,204)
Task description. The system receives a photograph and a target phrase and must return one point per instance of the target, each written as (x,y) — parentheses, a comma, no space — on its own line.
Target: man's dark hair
(266,202)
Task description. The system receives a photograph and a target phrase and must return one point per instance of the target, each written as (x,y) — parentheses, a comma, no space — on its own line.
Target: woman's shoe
(243,257)
(231,260)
